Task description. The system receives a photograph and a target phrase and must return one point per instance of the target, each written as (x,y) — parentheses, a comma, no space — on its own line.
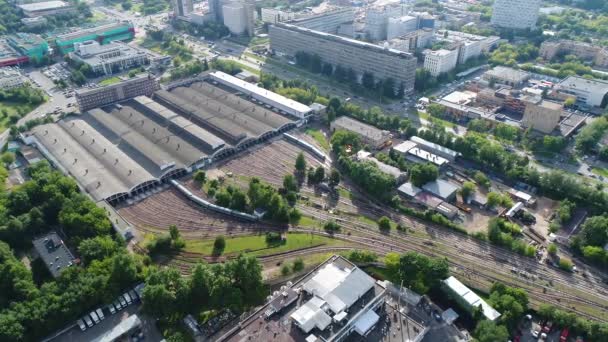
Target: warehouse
(46,8)
(370,135)
(104,34)
(268,97)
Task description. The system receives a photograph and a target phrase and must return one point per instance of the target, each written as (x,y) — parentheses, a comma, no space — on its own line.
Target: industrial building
(46,8)
(53,251)
(416,153)
(127,147)
(349,53)
(110,58)
(428,200)
(442,189)
(370,135)
(270,98)
(515,14)
(589,92)
(11,78)
(467,298)
(28,45)
(542,115)
(97,97)
(336,301)
(440,61)
(437,149)
(104,34)
(396,173)
(505,75)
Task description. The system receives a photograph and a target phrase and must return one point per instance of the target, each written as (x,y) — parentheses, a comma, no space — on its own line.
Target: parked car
(123,302)
(94,317)
(133,295)
(100,314)
(88,321)
(127,298)
(117,305)
(81,325)
(112,309)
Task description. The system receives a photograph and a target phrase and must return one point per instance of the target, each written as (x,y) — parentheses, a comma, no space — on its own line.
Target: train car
(310,148)
(211,206)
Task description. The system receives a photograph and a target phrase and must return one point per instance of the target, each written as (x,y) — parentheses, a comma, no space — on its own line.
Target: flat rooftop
(56,256)
(332,282)
(507,73)
(583,84)
(43,6)
(93,30)
(360,128)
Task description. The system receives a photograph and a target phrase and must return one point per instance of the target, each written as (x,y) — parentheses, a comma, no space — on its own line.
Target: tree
(334,178)
(594,232)
(289,183)
(384,223)
(300,163)
(97,248)
(317,176)
(298,265)
(200,176)
(331,226)
(368,80)
(123,272)
(436,110)
(388,87)
(488,331)
(468,188)
(173,232)
(552,249)
(482,179)
(565,264)
(219,245)
(421,174)
(8,158)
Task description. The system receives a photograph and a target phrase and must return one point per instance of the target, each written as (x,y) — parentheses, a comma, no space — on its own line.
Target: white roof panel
(366,322)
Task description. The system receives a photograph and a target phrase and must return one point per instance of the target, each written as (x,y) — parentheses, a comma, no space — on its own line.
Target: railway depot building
(127,147)
(370,135)
(362,57)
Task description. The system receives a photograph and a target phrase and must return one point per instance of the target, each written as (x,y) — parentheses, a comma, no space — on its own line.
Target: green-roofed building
(29,45)
(103,34)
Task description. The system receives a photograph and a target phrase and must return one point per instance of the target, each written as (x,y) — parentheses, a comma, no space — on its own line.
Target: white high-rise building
(239,17)
(440,61)
(516,14)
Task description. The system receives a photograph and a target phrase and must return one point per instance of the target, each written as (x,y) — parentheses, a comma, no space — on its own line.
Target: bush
(298,265)
(285,270)
(565,264)
(384,223)
(331,227)
(200,176)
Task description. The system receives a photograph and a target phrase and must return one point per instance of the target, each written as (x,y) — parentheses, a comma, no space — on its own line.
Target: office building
(349,53)
(104,34)
(440,61)
(327,22)
(377,21)
(47,8)
(182,8)
(370,135)
(110,58)
(543,116)
(55,254)
(273,16)
(515,14)
(589,92)
(215,9)
(411,41)
(399,26)
(11,78)
(139,85)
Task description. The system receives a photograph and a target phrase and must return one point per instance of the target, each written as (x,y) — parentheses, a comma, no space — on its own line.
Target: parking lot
(150,332)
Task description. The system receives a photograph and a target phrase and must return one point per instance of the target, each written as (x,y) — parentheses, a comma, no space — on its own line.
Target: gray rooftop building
(109,58)
(56,256)
(369,134)
(443,189)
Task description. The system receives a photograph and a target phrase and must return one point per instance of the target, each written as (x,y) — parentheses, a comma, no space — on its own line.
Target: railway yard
(477,262)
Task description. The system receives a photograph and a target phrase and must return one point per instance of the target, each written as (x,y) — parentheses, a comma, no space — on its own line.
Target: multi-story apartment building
(92,98)
(273,16)
(411,41)
(327,22)
(349,53)
(440,61)
(597,54)
(515,14)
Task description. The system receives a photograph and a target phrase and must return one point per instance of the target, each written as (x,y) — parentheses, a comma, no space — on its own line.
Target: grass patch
(248,68)
(345,193)
(108,81)
(600,171)
(306,221)
(13,108)
(319,138)
(377,272)
(427,116)
(257,246)
(256,57)
(366,220)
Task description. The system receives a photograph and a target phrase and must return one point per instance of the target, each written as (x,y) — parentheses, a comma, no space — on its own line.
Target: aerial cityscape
(304,170)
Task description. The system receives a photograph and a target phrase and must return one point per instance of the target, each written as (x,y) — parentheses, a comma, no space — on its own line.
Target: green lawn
(319,138)
(256,245)
(600,171)
(109,81)
(11,108)
(306,221)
